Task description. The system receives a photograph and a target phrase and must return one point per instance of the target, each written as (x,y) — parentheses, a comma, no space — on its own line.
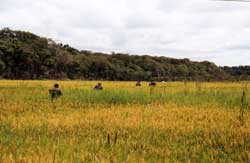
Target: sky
(217,31)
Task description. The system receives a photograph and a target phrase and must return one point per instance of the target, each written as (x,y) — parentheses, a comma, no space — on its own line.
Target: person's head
(56,85)
(99,84)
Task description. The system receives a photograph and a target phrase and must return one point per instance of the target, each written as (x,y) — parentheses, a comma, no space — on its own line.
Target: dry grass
(168,126)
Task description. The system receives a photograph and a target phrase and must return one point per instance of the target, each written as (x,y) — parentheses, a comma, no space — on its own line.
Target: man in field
(138,83)
(152,83)
(55,92)
(98,86)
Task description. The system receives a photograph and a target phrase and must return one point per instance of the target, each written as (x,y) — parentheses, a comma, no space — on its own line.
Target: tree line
(24,55)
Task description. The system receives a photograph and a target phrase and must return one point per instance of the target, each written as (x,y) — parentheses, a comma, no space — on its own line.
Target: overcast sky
(196,29)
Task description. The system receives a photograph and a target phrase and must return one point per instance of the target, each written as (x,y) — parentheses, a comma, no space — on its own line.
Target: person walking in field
(152,83)
(138,83)
(98,86)
(55,92)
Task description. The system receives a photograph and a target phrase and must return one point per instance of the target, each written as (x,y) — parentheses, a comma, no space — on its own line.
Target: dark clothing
(98,87)
(138,84)
(152,83)
(55,93)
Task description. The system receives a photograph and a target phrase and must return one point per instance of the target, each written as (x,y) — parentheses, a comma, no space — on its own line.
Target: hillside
(24,55)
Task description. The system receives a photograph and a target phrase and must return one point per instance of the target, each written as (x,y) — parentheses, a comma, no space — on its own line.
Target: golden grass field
(173,122)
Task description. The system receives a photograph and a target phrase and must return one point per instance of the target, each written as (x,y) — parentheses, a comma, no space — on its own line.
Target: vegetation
(238,73)
(172,122)
(24,55)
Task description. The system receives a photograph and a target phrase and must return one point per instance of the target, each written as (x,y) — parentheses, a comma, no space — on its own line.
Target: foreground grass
(122,123)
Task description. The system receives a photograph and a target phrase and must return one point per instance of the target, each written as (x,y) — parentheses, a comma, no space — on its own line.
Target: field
(172,122)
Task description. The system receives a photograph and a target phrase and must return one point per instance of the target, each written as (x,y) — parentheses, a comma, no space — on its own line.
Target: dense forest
(24,55)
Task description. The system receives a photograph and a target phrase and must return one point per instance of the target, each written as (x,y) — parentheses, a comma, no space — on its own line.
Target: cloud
(195,29)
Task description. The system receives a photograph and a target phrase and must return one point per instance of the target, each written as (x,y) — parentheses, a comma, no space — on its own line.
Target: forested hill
(24,55)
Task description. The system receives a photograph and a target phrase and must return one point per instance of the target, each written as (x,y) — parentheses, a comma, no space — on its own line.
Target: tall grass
(81,93)
(123,123)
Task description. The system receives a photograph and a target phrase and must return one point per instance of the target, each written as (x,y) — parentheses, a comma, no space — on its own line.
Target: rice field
(172,122)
